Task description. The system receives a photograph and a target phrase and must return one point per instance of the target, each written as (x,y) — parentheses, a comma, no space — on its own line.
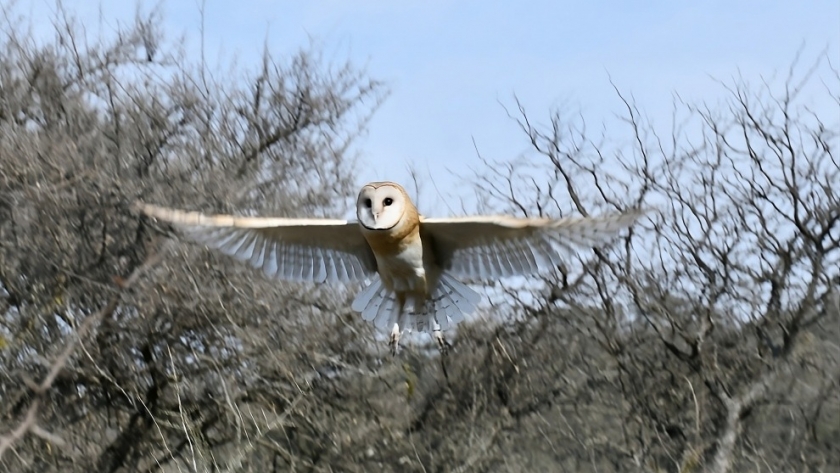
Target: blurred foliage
(705,340)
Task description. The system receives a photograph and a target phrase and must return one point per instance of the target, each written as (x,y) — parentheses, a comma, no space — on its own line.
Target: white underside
(450,301)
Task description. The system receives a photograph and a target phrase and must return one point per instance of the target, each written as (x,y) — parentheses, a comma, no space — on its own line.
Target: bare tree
(716,323)
(156,372)
(705,339)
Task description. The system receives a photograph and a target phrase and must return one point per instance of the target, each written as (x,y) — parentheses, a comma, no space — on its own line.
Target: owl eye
(368,203)
(388,201)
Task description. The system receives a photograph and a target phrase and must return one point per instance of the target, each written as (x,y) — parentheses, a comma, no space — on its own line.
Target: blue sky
(449,64)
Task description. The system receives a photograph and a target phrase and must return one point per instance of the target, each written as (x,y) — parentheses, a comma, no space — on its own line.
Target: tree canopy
(703,340)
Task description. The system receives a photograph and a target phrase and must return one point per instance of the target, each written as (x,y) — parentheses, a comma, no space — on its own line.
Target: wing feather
(283,248)
(492,247)
(319,272)
(270,268)
(529,260)
(258,257)
(364,297)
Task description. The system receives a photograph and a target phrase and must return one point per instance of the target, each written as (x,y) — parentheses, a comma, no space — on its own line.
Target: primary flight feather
(414,264)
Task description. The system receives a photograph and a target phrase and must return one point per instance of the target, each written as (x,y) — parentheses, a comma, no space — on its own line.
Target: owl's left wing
(483,248)
(284,248)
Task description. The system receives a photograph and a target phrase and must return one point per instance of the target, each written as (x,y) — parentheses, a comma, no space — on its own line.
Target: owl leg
(394,341)
(443,345)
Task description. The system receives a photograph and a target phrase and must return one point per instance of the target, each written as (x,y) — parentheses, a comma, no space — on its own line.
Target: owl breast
(404,265)
(403,271)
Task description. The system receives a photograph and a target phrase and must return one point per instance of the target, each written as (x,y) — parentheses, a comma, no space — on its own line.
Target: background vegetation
(704,340)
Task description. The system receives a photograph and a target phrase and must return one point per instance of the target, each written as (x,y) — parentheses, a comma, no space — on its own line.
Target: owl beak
(376,224)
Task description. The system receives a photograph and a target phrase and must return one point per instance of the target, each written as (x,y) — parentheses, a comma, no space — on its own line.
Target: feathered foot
(394,341)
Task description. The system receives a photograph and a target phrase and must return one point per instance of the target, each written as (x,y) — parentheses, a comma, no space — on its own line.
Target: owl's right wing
(316,250)
(490,247)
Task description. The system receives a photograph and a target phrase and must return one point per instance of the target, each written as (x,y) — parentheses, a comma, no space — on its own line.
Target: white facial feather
(380,206)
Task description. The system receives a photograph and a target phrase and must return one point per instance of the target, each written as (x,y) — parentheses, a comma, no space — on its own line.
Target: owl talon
(443,345)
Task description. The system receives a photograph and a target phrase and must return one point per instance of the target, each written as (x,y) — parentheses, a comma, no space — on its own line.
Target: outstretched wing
(482,248)
(293,249)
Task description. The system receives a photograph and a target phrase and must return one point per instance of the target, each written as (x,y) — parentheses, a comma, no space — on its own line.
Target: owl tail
(377,304)
(451,300)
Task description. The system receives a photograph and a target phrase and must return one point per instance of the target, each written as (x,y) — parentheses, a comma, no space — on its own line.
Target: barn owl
(413,265)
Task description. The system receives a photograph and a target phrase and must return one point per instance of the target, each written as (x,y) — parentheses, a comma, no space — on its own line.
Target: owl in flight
(414,265)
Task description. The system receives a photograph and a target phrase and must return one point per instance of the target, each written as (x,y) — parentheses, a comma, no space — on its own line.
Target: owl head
(383,205)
